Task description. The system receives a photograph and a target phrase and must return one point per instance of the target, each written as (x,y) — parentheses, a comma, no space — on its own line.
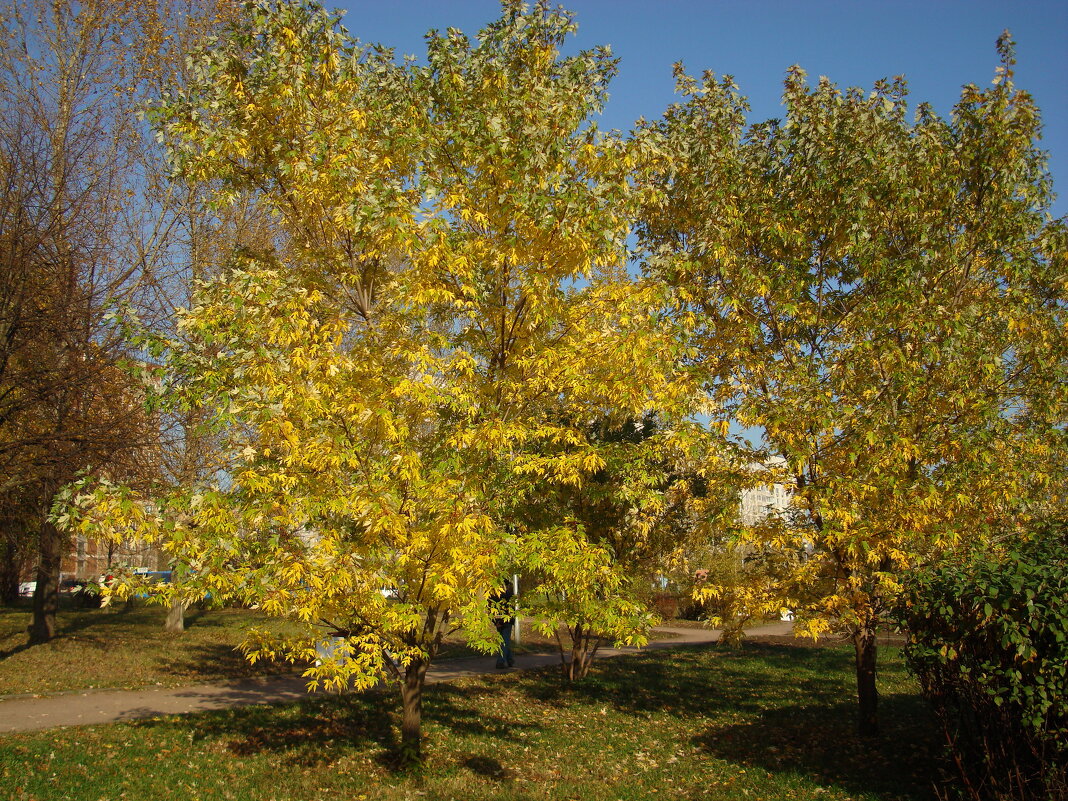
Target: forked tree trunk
(412,711)
(583,648)
(46,595)
(865,648)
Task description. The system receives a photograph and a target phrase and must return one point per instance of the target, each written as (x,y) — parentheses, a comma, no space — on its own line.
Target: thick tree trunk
(412,712)
(176,617)
(865,648)
(46,596)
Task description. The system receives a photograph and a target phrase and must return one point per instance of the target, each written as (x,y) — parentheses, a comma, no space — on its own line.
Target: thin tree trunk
(412,711)
(583,649)
(571,666)
(10,572)
(865,648)
(572,670)
(46,596)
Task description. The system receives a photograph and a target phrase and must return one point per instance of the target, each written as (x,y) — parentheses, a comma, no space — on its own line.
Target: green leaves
(989,644)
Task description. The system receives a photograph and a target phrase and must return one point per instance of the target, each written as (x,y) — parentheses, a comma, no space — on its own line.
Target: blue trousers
(504,658)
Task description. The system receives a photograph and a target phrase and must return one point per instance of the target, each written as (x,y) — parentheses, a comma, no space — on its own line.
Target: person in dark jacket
(503,620)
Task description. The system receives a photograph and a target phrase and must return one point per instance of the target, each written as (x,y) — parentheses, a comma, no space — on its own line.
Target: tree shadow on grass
(218,660)
(70,632)
(73,619)
(744,681)
(778,707)
(489,768)
(820,741)
(465,716)
(71,623)
(312,732)
(462,710)
(318,730)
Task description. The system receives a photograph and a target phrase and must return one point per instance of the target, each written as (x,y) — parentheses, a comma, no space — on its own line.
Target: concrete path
(110,706)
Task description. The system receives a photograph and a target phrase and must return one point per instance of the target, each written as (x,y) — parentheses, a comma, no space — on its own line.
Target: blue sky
(937,45)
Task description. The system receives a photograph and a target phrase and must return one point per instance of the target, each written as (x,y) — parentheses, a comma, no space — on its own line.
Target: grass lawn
(126,647)
(766,721)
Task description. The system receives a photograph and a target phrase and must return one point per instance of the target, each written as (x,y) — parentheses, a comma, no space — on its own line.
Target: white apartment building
(756,503)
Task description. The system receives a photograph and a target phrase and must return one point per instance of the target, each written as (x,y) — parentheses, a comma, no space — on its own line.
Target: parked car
(85,592)
(70,585)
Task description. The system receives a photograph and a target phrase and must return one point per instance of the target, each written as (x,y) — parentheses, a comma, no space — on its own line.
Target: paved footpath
(110,706)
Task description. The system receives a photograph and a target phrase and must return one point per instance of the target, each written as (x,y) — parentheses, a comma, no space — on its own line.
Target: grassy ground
(126,647)
(764,722)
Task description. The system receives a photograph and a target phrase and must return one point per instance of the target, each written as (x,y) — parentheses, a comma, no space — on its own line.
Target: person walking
(504,619)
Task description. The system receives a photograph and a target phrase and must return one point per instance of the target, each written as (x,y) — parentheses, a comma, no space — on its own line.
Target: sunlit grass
(126,647)
(763,722)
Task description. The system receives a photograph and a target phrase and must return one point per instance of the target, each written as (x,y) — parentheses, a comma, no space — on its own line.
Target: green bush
(989,644)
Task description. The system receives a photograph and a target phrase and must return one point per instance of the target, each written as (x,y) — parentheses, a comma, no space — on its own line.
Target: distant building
(90,559)
(758,502)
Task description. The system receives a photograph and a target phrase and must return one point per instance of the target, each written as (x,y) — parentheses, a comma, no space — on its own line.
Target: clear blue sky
(937,45)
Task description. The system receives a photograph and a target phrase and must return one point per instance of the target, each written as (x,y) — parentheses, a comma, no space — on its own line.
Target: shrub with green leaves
(989,644)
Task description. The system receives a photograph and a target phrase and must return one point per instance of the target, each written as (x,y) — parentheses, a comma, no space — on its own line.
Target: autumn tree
(449,307)
(85,223)
(65,404)
(885,298)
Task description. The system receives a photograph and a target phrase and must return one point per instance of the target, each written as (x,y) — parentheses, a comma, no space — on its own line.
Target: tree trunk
(583,648)
(412,714)
(10,572)
(46,596)
(176,617)
(865,647)
(9,585)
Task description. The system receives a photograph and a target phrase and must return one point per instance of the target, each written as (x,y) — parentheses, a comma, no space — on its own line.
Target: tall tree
(886,299)
(65,405)
(81,228)
(451,288)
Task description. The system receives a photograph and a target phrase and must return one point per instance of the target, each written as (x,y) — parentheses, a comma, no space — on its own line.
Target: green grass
(126,647)
(763,722)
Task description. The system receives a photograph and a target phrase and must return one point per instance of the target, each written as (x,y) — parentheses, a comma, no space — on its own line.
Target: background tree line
(88,221)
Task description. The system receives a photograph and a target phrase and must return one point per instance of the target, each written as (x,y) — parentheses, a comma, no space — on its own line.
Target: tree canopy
(445,308)
(885,298)
(423,369)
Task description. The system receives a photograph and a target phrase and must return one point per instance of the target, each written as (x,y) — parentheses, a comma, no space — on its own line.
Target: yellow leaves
(1021,326)
(473,216)
(419,344)
(592,462)
(293,573)
(328,66)
(813,627)
(288,432)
